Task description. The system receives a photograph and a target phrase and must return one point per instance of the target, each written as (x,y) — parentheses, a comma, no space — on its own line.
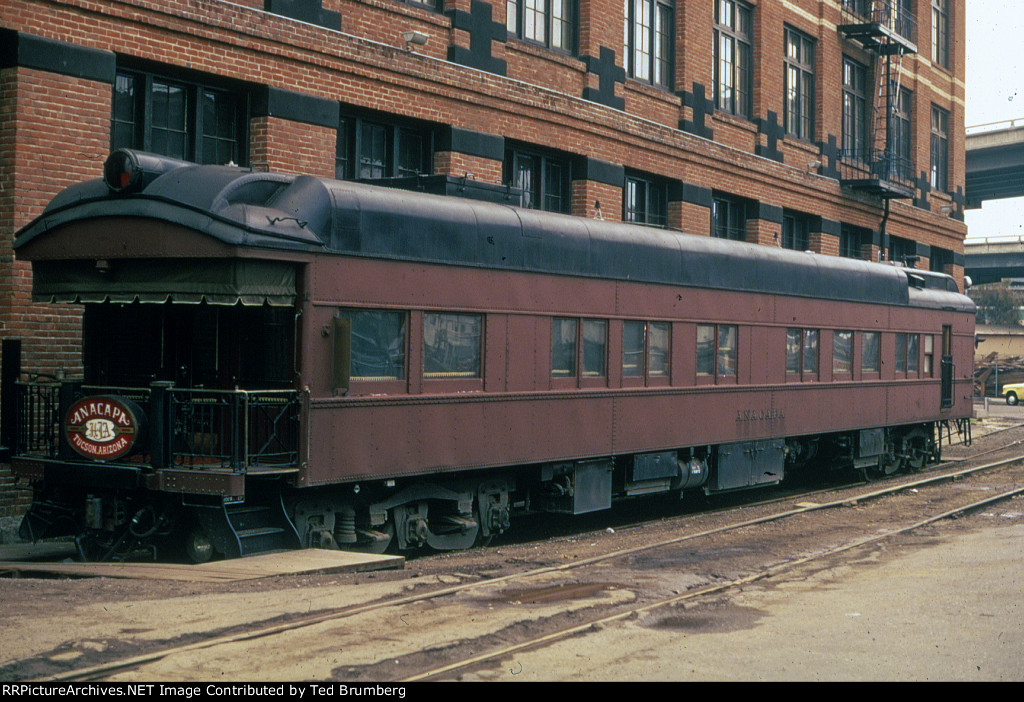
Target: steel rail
(776,569)
(97,671)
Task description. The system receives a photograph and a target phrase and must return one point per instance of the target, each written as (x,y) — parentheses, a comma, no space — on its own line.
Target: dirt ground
(946,603)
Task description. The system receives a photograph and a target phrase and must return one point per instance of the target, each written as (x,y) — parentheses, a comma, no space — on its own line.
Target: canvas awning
(214,281)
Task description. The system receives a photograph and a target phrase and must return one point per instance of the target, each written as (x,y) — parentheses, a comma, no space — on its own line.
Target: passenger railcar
(273,361)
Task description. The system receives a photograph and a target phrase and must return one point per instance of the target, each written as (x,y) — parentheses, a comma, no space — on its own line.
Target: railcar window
(716,349)
(802,353)
(595,344)
(871,353)
(913,352)
(901,353)
(646,349)
(632,349)
(452,345)
(705,349)
(929,354)
(658,336)
(842,352)
(726,350)
(377,349)
(563,348)
(579,344)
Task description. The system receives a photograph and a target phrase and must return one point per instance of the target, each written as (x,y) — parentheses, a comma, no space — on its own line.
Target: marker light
(127,171)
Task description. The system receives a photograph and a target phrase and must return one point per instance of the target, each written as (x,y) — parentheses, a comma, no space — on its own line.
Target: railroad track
(397,628)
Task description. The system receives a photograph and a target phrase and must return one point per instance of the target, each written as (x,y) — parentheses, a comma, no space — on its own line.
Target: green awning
(214,281)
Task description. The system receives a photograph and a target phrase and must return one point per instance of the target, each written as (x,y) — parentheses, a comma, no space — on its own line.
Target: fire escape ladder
(886,29)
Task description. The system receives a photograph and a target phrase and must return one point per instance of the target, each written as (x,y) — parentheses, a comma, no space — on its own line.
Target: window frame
(448,380)
(716,375)
(356,130)
(842,338)
(517,13)
(940,33)
(870,354)
(902,134)
(856,136)
(808,346)
(938,171)
(908,355)
(653,211)
(733,92)
(543,169)
(580,375)
(728,218)
(649,49)
(381,384)
(850,236)
(139,130)
(796,231)
(646,374)
(798,84)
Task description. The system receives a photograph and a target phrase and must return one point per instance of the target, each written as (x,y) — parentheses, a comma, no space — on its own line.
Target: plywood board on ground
(311,560)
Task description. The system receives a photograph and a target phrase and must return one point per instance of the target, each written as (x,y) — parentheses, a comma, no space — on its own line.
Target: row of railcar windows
(453,348)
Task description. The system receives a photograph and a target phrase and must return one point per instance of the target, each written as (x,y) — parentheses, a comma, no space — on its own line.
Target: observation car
(275,361)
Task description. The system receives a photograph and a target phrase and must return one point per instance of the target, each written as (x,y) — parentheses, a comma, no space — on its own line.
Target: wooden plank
(261,566)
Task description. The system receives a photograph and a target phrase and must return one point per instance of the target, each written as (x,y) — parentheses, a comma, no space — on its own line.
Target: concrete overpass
(995,162)
(989,260)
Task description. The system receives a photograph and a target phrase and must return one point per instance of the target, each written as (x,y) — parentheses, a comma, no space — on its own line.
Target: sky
(995,93)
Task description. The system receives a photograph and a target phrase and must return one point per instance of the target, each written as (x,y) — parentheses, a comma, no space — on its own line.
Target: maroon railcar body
(376,366)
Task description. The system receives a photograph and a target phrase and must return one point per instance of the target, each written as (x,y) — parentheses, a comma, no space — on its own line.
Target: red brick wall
(54,130)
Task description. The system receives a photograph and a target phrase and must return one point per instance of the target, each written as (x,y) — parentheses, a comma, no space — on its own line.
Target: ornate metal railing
(239,429)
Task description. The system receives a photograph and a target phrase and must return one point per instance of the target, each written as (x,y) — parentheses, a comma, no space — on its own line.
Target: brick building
(835,126)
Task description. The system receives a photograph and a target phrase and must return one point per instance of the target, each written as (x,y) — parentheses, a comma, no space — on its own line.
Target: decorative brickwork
(472,86)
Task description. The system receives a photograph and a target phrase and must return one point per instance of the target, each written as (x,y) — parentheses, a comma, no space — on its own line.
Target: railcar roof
(271,210)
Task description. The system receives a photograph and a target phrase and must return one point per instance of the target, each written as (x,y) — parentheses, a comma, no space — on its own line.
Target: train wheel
(918,452)
(887,465)
(198,546)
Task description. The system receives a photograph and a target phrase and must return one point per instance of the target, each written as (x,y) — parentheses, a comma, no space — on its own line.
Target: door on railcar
(946,368)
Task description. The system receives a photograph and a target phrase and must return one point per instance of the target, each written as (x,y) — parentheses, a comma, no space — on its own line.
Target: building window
(729,218)
(452,345)
(940,33)
(871,353)
(733,57)
(852,242)
(802,353)
(716,350)
(645,201)
(648,27)
(543,178)
(901,144)
(940,149)
(799,88)
(550,23)
(177,118)
(796,231)
(940,259)
(855,111)
(377,344)
(842,353)
(370,148)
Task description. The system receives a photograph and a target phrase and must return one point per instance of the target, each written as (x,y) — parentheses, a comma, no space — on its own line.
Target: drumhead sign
(102,428)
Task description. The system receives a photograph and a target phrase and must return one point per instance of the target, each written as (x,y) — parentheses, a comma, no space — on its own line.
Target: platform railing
(243,430)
